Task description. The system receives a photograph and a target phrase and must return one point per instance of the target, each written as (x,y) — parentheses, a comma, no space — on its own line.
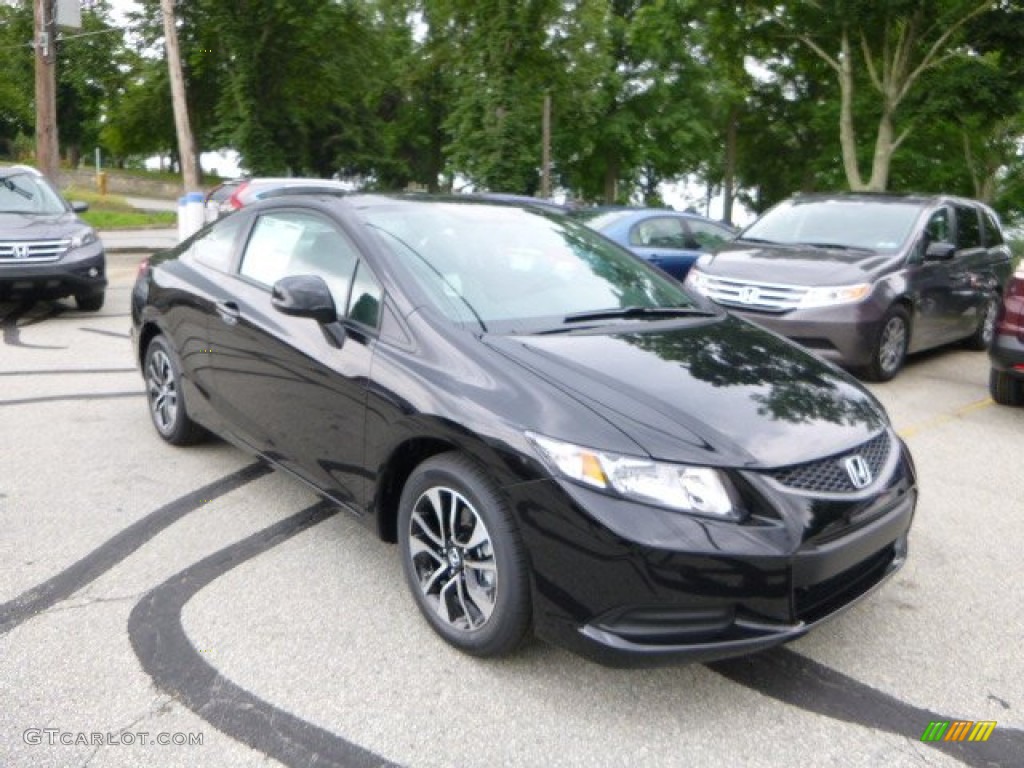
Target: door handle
(228,311)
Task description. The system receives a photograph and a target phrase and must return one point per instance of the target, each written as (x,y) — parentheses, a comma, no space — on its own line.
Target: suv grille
(18,252)
(745,294)
(830,475)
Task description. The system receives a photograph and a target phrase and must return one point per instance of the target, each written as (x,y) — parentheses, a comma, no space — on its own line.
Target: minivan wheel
(1005,389)
(462,556)
(986,330)
(162,373)
(891,345)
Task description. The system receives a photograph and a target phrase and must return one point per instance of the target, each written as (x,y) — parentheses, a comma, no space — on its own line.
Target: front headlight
(82,237)
(700,490)
(828,296)
(696,280)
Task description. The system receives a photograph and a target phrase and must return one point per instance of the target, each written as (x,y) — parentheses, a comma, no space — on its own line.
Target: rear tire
(986,330)
(90,302)
(1005,389)
(162,372)
(462,556)
(891,344)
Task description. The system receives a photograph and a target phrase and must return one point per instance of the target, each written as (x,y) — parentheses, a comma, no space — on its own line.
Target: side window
(216,246)
(968,230)
(287,243)
(707,235)
(938,229)
(993,232)
(367,298)
(666,232)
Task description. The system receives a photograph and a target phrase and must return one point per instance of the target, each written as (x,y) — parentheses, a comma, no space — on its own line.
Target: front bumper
(625,584)
(844,334)
(79,271)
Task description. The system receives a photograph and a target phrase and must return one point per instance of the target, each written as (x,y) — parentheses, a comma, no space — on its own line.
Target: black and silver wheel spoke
(160,386)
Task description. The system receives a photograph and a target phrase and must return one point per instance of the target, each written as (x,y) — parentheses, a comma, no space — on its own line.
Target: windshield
(513,270)
(22,192)
(876,225)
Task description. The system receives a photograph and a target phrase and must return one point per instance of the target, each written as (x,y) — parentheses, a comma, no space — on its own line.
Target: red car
(1006,381)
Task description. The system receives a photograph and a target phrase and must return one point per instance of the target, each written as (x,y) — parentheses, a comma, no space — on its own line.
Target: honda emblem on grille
(749,294)
(20,251)
(858,470)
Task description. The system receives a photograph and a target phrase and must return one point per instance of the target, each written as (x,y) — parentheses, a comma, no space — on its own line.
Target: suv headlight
(83,237)
(828,296)
(699,490)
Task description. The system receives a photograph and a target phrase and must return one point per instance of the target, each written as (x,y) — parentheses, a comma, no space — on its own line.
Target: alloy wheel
(162,390)
(453,558)
(892,345)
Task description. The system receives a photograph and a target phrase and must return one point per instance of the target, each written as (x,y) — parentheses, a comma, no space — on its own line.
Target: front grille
(830,475)
(746,294)
(21,252)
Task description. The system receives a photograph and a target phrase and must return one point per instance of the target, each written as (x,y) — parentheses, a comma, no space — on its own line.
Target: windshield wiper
(757,240)
(637,312)
(15,188)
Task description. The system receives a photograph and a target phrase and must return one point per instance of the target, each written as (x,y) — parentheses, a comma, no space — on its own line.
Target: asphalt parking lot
(191,596)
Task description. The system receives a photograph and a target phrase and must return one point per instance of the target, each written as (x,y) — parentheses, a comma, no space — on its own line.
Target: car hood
(722,392)
(797,264)
(38,226)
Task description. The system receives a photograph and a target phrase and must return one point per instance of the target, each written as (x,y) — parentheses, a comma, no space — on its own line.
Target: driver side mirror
(939,251)
(304,296)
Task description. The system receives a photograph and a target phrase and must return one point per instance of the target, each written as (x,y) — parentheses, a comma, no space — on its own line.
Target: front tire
(162,373)
(90,302)
(1005,389)
(462,556)
(891,344)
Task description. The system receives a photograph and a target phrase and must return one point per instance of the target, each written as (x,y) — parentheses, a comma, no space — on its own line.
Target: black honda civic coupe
(558,437)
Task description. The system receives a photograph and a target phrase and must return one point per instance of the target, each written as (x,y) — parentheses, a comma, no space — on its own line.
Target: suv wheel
(90,302)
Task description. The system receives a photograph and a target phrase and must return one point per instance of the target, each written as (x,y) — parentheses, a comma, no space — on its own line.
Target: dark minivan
(865,279)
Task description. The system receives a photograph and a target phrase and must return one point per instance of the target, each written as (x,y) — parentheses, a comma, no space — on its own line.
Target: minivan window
(993,233)
(855,223)
(968,230)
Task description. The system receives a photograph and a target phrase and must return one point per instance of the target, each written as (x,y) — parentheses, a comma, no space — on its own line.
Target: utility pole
(545,163)
(45,44)
(186,144)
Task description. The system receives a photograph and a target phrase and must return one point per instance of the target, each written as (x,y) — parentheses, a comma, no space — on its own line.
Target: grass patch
(114,212)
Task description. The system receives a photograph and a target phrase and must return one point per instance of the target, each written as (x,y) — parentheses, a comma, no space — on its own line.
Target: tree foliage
(757,99)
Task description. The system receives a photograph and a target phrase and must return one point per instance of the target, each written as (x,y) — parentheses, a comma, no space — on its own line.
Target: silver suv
(46,251)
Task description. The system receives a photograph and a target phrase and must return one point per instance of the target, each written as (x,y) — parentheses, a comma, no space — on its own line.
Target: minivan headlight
(696,280)
(700,490)
(830,295)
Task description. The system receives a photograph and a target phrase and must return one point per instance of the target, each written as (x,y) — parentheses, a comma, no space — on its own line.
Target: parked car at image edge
(233,194)
(557,435)
(1006,379)
(46,251)
(865,279)
(670,240)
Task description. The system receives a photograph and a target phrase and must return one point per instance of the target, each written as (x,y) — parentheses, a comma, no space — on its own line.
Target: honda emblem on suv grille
(20,251)
(749,294)
(859,471)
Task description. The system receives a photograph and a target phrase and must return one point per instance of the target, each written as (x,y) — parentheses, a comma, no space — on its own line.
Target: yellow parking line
(944,418)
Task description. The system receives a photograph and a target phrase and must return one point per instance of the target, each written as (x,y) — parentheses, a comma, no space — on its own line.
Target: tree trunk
(884,145)
(729,179)
(847,132)
(611,182)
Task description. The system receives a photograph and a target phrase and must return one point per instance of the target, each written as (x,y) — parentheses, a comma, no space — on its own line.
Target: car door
(969,289)
(291,388)
(665,242)
(929,281)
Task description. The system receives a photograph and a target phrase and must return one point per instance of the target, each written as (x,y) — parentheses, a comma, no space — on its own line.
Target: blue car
(667,239)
